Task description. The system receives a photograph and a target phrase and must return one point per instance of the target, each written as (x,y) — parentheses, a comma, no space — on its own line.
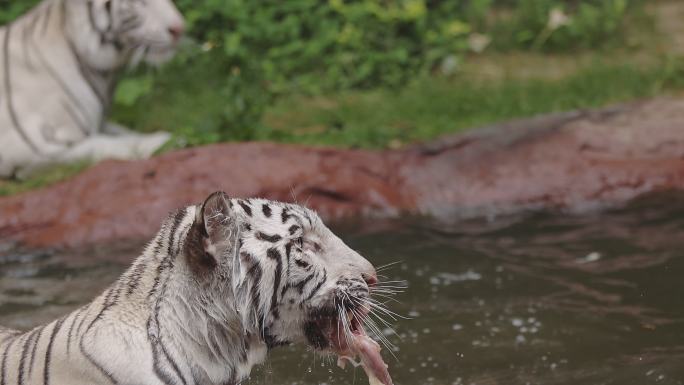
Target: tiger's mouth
(345,330)
(344,335)
(330,329)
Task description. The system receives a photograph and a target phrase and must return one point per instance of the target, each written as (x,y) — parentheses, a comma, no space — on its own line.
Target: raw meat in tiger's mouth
(359,344)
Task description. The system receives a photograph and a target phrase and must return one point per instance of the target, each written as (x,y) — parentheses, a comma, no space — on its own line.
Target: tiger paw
(148,144)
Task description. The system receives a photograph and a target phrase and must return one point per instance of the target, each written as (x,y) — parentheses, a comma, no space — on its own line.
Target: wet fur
(207,299)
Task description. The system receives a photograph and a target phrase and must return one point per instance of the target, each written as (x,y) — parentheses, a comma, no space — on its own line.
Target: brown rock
(572,161)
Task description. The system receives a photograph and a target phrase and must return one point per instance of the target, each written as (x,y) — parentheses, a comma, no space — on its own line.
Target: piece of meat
(369,352)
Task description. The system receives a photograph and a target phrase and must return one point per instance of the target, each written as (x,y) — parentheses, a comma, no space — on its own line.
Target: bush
(314,45)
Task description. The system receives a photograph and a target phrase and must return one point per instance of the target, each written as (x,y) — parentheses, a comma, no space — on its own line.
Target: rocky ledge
(573,161)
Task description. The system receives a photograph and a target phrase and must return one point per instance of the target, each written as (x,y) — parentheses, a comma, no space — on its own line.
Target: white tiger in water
(58,69)
(220,284)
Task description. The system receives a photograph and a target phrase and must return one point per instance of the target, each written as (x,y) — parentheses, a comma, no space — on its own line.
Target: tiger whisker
(386,311)
(377,316)
(388,298)
(345,324)
(371,325)
(393,286)
(388,265)
(389,286)
(400,285)
(384,291)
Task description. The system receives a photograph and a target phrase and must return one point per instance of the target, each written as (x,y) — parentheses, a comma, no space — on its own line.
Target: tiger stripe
(135,277)
(48,351)
(24,356)
(74,318)
(274,254)
(9,95)
(34,349)
(318,286)
(159,352)
(46,17)
(5,355)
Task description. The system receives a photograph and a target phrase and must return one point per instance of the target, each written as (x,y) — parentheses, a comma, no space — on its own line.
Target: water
(543,299)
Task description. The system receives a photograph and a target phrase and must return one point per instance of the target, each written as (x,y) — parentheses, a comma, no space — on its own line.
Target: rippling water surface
(545,299)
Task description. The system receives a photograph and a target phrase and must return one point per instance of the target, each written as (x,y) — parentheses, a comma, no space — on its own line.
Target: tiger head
(290,279)
(129,30)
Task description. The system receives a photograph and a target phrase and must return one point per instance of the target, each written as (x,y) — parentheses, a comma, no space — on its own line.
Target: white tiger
(58,69)
(220,284)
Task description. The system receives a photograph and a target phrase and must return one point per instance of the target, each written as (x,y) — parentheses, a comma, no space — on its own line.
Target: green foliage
(130,90)
(11,9)
(315,45)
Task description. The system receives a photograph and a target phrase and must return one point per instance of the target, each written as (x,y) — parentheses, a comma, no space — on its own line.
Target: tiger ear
(212,233)
(215,217)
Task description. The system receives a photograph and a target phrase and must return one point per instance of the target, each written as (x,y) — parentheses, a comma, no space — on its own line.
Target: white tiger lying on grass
(219,285)
(59,67)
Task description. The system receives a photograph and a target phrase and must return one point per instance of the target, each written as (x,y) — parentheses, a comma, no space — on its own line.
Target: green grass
(42,178)
(424,109)
(432,107)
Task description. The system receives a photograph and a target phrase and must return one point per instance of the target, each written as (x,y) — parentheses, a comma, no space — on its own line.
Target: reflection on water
(547,299)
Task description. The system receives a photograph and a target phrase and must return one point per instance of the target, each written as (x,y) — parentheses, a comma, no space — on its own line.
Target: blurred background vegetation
(384,73)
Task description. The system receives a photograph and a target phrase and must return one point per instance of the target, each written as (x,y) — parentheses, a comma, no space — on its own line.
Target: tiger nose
(371,279)
(176,31)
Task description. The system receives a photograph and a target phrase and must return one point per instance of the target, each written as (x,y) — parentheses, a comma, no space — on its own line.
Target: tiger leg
(115,129)
(98,147)
(149,142)
(92,149)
